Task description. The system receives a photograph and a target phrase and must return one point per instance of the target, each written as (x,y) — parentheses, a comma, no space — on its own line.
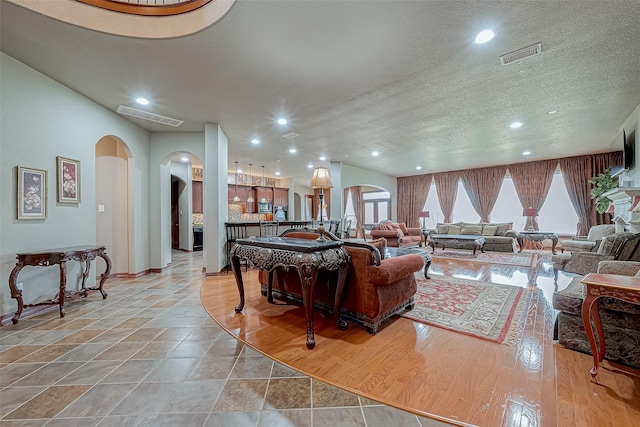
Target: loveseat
(498,237)
(397,234)
(620,320)
(375,288)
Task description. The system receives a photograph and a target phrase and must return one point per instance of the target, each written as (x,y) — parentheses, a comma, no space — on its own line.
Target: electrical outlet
(19,286)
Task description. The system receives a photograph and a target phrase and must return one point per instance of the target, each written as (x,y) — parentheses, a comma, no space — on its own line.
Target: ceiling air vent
(290,135)
(145,115)
(520,54)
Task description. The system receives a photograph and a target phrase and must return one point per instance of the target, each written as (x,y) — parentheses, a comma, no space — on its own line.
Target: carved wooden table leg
(85,274)
(589,310)
(63,286)
(15,292)
(270,287)
(307,271)
(235,267)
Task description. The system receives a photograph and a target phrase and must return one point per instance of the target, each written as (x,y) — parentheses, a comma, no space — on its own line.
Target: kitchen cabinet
(196,196)
(264,193)
(280,196)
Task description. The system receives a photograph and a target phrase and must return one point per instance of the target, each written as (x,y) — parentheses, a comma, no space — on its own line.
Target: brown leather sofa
(397,234)
(375,288)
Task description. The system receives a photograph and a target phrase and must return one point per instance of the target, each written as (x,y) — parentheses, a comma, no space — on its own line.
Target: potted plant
(602,183)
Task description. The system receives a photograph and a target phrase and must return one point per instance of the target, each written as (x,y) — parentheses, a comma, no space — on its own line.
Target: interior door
(175,214)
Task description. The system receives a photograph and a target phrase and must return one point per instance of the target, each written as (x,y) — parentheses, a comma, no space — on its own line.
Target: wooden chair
(333,226)
(235,230)
(269,228)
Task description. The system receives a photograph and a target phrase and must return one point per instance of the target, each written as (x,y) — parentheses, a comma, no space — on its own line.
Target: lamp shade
(320,178)
(424,214)
(529,212)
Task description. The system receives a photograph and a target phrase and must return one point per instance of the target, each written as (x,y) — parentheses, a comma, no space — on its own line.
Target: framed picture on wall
(32,193)
(68,180)
(241,178)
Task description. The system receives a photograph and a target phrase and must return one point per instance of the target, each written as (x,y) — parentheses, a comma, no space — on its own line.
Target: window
(377,206)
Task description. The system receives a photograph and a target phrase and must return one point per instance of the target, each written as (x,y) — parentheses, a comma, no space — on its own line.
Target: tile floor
(149,355)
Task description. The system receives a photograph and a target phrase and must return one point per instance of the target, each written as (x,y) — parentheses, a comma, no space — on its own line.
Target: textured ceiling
(401,78)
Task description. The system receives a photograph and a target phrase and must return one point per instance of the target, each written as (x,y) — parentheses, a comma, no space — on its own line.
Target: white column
(337,204)
(214,194)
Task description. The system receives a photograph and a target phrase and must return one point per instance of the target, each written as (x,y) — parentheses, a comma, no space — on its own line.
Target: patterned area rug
(525,259)
(489,311)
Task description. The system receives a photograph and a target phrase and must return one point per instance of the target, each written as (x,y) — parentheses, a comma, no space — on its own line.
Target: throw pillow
(385,226)
(471,229)
(454,229)
(396,227)
(442,228)
(489,230)
(503,227)
(403,228)
(381,245)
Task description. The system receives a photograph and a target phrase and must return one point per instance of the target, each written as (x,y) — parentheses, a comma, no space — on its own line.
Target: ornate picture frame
(68,173)
(32,193)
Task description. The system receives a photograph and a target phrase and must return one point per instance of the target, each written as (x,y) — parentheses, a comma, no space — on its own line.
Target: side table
(624,288)
(538,236)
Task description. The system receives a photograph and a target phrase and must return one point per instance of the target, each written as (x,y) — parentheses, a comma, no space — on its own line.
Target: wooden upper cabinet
(264,193)
(196,194)
(281,197)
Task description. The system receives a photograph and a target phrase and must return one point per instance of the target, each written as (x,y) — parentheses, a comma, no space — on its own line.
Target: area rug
(484,310)
(525,259)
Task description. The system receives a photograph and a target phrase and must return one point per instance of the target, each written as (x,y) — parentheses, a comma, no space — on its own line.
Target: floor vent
(290,135)
(520,54)
(145,115)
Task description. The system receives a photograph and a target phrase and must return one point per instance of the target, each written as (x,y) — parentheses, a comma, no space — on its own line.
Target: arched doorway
(114,193)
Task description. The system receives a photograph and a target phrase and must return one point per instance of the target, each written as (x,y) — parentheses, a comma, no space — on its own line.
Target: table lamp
(321,180)
(530,213)
(423,215)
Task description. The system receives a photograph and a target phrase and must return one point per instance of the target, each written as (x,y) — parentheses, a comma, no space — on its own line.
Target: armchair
(590,242)
(620,320)
(616,246)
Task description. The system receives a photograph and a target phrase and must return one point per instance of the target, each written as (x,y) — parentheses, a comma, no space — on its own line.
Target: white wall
(42,119)
(351,175)
(632,123)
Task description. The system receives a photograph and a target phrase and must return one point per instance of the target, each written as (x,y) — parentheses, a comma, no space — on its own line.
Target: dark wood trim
(148,10)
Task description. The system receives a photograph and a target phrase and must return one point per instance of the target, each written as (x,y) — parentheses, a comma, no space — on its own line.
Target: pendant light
(263,200)
(236,198)
(250,199)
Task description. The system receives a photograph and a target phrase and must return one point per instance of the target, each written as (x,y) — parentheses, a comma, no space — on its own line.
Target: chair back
(299,224)
(236,230)
(630,249)
(268,228)
(334,225)
(346,228)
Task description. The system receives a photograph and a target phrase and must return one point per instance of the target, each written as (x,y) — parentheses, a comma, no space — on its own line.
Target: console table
(624,288)
(538,236)
(58,256)
(306,256)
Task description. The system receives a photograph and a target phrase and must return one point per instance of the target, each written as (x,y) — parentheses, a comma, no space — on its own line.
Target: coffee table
(457,241)
(538,236)
(404,250)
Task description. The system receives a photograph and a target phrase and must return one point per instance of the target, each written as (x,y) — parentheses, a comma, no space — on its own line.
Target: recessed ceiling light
(418,167)
(552,112)
(309,165)
(375,153)
(255,141)
(293,150)
(516,125)
(526,153)
(185,159)
(142,101)
(323,158)
(278,173)
(282,121)
(484,36)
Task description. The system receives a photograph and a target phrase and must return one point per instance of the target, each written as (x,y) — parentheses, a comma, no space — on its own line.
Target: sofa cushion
(503,227)
(403,228)
(442,228)
(471,229)
(489,230)
(381,245)
(397,228)
(385,226)
(454,229)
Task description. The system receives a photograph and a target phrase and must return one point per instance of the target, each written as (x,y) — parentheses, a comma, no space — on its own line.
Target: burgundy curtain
(576,172)
(532,181)
(447,189)
(483,186)
(412,195)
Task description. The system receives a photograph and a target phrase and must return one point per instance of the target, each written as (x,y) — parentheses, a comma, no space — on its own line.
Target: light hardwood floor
(441,374)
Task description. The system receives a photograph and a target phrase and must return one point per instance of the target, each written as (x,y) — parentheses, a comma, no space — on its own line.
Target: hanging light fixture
(263,200)
(250,199)
(236,198)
